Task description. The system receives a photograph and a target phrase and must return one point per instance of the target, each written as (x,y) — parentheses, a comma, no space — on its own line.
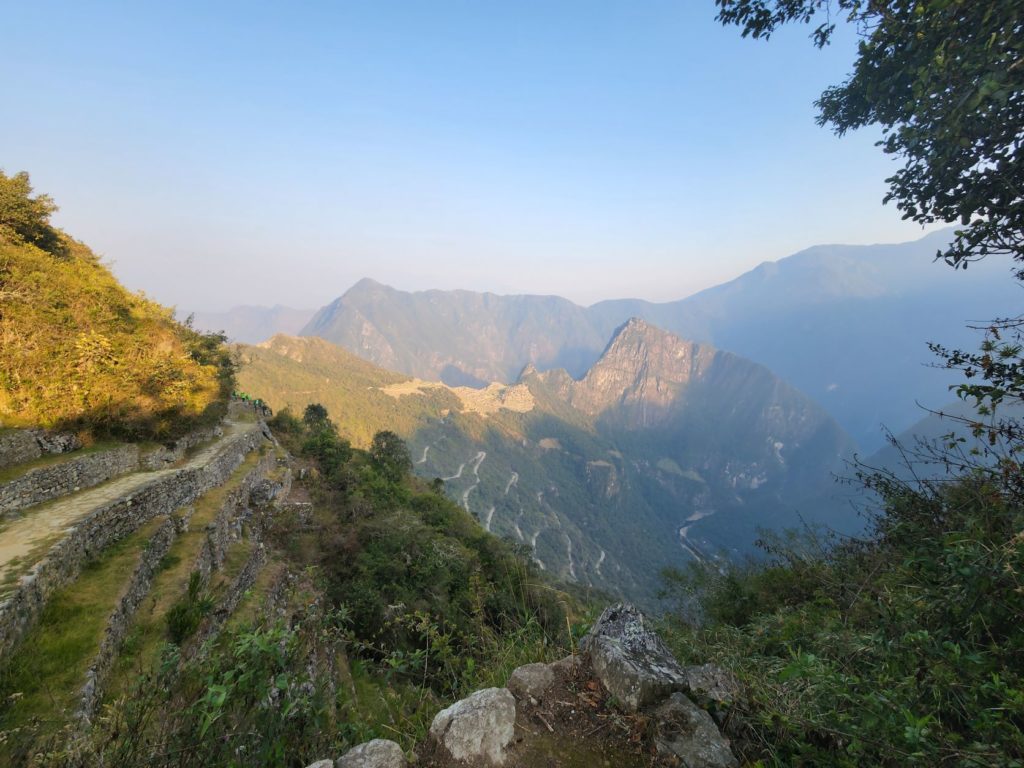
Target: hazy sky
(249,153)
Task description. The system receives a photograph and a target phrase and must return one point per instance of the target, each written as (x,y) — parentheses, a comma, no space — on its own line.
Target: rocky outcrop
(379,753)
(478,729)
(713,683)
(636,666)
(631,660)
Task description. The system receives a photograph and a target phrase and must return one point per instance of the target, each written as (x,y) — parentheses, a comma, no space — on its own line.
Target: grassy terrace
(253,603)
(142,647)
(41,679)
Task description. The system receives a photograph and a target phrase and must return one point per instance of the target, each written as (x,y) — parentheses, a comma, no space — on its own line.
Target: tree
(945,81)
(25,216)
(391,455)
(315,415)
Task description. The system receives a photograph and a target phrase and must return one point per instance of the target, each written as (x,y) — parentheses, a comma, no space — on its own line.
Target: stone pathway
(24,535)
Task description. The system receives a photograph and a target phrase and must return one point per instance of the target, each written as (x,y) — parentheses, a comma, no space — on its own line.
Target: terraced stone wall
(20,445)
(17,447)
(45,483)
(121,619)
(108,524)
(168,454)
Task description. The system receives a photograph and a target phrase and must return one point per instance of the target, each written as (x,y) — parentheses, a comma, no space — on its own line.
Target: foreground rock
(631,660)
(479,728)
(687,735)
(531,681)
(712,682)
(379,753)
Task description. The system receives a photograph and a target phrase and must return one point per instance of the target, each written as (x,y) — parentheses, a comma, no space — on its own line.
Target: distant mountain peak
(641,364)
(367,284)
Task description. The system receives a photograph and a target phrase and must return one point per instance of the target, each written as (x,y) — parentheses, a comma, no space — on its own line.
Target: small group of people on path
(258,406)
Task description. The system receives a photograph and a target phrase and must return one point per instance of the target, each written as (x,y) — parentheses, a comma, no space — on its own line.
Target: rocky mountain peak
(641,364)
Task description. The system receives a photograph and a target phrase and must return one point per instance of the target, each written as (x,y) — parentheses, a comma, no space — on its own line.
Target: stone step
(48,546)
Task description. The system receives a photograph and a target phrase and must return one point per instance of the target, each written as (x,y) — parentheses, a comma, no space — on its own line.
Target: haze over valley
(529,385)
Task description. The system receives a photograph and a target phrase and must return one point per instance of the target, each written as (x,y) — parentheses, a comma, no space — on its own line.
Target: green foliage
(907,649)
(185,616)
(315,415)
(943,80)
(81,352)
(427,593)
(391,455)
(296,372)
(26,217)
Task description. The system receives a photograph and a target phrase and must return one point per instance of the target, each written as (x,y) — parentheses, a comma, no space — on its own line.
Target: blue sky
(248,153)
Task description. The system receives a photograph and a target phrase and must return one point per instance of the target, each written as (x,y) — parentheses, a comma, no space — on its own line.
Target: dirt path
(24,535)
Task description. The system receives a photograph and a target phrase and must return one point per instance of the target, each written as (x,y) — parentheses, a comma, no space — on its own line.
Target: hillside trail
(22,536)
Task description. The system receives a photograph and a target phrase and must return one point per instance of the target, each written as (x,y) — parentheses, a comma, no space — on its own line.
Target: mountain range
(664,451)
(848,325)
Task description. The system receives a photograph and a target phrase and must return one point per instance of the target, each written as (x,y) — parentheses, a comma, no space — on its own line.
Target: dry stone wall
(51,482)
(171,453)
(20,445)
(121,619)
(108,524)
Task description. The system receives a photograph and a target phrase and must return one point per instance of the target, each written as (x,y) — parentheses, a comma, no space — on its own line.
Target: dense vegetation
(410,566)
(397,603)
(81,352)
(906,649)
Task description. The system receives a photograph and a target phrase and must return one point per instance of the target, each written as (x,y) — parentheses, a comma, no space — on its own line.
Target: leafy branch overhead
(944,79)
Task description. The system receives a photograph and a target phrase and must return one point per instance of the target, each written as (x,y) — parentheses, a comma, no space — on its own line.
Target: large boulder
(631,660)
(479,728)
(531,681)
(379,753)
(686,734)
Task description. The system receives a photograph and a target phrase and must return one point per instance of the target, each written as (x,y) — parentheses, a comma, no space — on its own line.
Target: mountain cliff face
(663,451)
(641,374)
(815,319)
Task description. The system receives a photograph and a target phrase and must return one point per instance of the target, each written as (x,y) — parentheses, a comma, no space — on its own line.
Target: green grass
(252,605)
(48,669)
(149,632)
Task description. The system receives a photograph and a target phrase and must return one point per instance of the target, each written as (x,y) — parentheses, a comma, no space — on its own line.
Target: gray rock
(631,660)
(713,682)
(531,681)
(686,732)
(566,666)
(58,442)
(321,764)
(379,753)
(479,728)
